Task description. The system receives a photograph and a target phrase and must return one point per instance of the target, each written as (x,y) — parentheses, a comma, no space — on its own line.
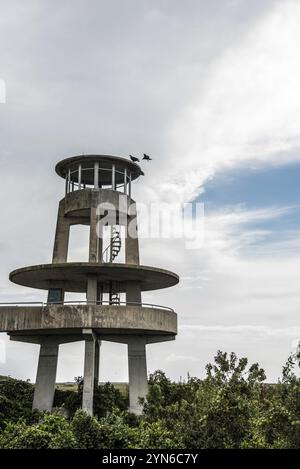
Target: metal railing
(73,185)
(22,303)
(85,302)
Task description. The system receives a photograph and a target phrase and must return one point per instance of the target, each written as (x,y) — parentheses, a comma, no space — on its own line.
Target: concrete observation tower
(97,194)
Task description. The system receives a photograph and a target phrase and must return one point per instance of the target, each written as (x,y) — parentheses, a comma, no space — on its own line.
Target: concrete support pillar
(89,371)
(99,234)
(66,186)
(137,368)
(113,177)
(61,243)
(46,375)
(133,292)
(97,361)
(95,248)
(132,242)
(92,287)
(79,176)
(99,293)
(69,180)
(129,186)
(96,175)
(125,181)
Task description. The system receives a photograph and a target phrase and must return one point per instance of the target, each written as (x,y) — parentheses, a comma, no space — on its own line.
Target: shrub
(52,431)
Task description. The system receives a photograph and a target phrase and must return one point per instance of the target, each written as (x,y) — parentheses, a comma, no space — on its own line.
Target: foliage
(15,400)
(231,407)
(107,432)
(106,398)
(52,431)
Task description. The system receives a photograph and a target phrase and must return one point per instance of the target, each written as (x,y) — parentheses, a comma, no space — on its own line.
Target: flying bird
(142,173)
(146,157)
(134,158)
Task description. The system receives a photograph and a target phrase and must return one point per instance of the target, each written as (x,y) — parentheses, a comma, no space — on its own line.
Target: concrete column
(91,291)
(93,249)
(61,243)
(96,175)
(46,375)
(89,371)
(69,179)
(79,176)
(113,177)
(125,181)
(133,292)
(132,242)
(137,368)
(97,361)
(129,186)
(99,293)
(99,242)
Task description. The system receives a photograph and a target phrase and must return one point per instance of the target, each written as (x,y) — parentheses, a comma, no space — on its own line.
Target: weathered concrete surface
(131,240)
(73,275)
(133,292)
(46,375)
(95,246)
(89,370)
(17,318)
(61,242)
(104,318)
(91,294)
(97,361)
(137,370)
(79,203)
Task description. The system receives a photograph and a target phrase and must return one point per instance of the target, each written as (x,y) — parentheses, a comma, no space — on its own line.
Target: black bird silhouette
(134,158)
(142,173)
(146,157)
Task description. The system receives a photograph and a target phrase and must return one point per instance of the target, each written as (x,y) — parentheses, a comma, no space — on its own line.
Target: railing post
(79,176)
(69,179)
(129,186)
(113,177)
(96,175)
(125,181)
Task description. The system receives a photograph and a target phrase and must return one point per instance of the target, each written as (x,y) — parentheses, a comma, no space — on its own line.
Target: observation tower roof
(105,165)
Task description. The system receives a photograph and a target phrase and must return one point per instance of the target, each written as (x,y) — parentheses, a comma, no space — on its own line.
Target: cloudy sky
(211,91)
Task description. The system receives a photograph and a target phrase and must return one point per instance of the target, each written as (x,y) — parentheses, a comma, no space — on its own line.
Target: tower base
(48,358)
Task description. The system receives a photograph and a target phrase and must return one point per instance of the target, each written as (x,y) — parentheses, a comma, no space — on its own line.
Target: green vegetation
(231,407)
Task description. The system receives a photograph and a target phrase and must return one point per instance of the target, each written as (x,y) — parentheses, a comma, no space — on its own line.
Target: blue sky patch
(256,188)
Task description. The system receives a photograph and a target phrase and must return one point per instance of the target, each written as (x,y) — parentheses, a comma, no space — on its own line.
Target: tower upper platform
(98,170)
(74,275)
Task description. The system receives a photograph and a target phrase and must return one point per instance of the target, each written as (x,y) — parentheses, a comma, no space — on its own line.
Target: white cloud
(289,332)
(247,107)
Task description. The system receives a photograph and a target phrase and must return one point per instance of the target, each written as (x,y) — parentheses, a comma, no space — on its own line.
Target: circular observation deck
(98,171)
(74,275)
(104,319)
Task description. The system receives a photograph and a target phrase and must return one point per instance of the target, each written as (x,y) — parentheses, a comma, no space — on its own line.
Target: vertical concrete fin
(89,371)
(61,243)
(46,375)
(137,370)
